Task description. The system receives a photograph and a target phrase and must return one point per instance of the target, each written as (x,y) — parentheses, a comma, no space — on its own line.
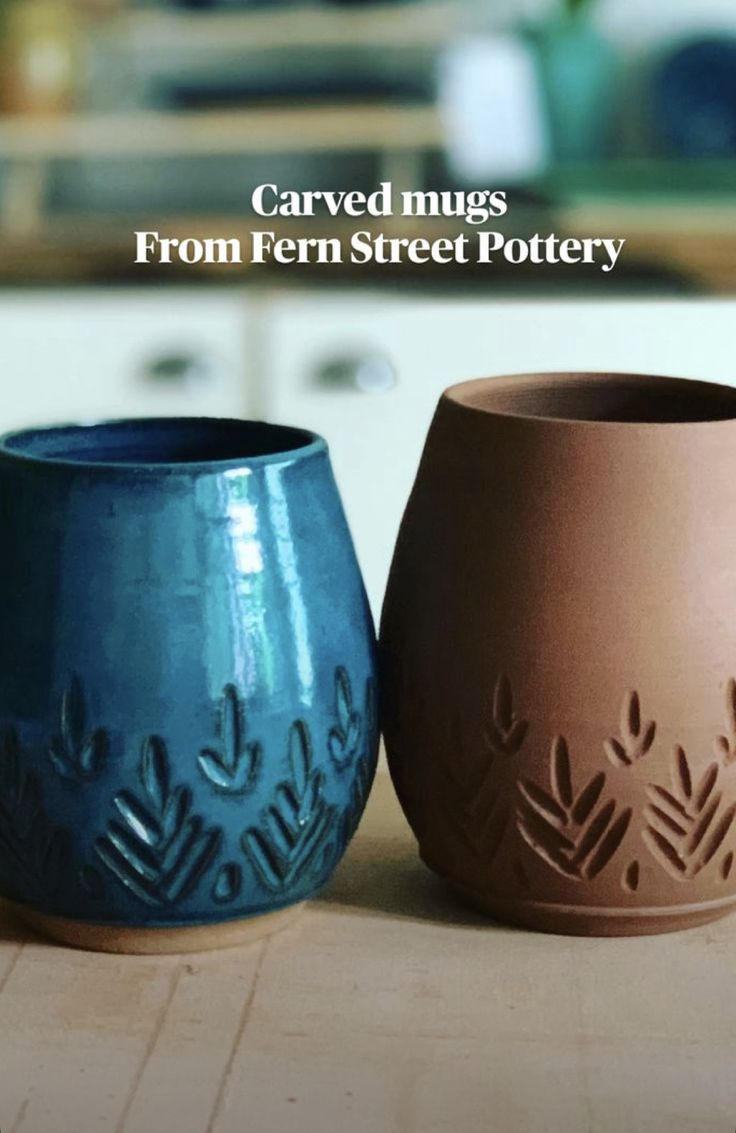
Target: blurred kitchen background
(600,117)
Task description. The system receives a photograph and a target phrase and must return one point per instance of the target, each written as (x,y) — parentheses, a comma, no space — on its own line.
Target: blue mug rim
(49,446)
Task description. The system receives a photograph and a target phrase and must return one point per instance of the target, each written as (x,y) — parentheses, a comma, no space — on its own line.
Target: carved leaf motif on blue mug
(363,771)
(297,824)
(33,852)
(233,767)
(358,798)
(228,884)
(344,739)
(73,753)
(159,850)
(156,845)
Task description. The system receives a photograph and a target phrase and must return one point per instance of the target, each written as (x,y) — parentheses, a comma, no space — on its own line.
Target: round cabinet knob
(179,368)
(363,373)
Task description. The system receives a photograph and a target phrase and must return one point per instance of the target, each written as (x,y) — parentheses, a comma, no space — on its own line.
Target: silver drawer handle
(363,373)
(177,369)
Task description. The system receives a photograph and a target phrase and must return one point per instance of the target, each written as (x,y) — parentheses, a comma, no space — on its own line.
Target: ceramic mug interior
(160,441)
(613,398)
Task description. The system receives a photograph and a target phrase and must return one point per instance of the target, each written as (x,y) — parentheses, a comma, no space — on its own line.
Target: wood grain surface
(387,1008)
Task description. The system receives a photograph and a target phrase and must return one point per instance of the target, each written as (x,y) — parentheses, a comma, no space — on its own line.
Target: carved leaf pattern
(155,845)
(297,825)
(157,849)
(636,736)
(74,753)
(364,770)
(686,824)
(34,853)
(572,833)
(477,811)
(505,732)
(228,884)
(725,745)
(479,818)
(631,876)
(234,767)
(345,737)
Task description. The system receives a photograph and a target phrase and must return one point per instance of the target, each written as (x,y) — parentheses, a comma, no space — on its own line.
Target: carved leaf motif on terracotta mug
(725,745)
(686,825)
(158,849)
(34,853)
(570,830)
(505,732)
(74,753)
(636,736)
(477,814)
(296,826)
(234,766)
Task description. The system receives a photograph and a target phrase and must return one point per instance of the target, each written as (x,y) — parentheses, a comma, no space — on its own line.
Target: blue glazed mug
(188,725)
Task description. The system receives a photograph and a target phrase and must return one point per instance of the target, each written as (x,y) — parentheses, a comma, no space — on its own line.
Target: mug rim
(469,396)
(16,445)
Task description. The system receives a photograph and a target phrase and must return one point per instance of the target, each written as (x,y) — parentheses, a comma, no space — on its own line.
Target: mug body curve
(188,726)
(559,650)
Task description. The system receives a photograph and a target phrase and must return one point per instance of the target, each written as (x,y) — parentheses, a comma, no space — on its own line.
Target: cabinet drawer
(332,360)
(86,355)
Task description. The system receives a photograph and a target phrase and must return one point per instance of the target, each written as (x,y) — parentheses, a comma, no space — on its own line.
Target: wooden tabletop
(389,1008)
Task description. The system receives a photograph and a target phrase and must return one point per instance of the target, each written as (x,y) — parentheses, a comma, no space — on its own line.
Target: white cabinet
(89,354)
(361,367)
(376,438)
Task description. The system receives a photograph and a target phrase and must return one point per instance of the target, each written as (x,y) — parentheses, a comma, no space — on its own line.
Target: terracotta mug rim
(187,445)
(598,399)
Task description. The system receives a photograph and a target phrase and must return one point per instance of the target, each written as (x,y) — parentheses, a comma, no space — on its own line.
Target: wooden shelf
(680,222)
(300,129)
(416,24)
(398,135)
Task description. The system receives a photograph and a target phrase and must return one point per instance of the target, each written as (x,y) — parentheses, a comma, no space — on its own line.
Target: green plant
(576,7)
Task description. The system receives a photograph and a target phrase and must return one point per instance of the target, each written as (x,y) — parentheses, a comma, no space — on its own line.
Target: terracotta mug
(559,651)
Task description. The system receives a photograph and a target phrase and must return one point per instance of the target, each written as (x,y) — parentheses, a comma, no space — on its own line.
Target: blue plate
(694,99)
